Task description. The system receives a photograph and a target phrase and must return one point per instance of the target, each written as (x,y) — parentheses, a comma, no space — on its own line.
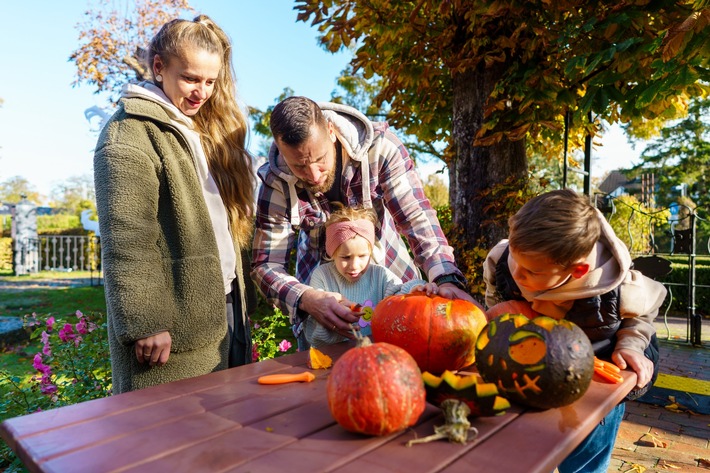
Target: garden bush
(5,254)
(71,366)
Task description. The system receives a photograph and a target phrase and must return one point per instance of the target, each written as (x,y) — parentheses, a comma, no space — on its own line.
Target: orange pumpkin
(439,333)
(511,307)
(375,389)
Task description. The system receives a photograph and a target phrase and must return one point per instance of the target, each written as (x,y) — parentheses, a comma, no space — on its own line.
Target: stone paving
(659,439)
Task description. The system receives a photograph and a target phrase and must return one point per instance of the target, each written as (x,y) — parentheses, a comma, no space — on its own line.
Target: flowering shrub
(263,335)
(72,365)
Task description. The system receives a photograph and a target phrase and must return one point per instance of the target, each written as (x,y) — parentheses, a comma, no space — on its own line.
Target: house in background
(616,184)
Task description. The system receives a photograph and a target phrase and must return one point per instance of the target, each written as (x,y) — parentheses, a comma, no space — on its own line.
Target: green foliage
(681,156)
(262,119)
(12,190)
(620,61)
(75,194)
(72,366)
(436,191)
(678,284)
(266,334)
(506,199)
(59,224)
(634,223)
(45,301)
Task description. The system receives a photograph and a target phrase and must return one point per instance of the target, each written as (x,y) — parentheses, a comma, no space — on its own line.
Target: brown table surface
(225,421)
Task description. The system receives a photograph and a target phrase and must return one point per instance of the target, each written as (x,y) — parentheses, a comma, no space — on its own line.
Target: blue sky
(45,137)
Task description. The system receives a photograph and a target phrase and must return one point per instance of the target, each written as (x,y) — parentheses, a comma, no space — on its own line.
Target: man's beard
(322,188)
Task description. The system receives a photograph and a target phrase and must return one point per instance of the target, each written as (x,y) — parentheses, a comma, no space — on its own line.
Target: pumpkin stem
(455,429)
(362,340)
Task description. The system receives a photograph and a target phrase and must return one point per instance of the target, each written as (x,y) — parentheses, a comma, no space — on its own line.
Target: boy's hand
(642,366)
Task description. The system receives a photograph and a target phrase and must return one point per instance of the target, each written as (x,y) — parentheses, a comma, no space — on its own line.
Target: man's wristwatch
(453,278)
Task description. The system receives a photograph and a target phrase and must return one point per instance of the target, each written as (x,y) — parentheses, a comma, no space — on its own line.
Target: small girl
(349,270)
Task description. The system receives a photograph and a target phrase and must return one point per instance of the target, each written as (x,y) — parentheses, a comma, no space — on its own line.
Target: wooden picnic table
(226,421)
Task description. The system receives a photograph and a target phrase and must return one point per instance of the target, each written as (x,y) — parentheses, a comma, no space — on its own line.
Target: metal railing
(678,237)
(61,253)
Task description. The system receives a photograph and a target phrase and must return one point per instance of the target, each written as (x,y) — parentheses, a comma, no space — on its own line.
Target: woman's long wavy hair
(221,123)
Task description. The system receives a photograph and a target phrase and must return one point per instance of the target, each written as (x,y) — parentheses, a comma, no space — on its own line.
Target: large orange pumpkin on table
(375,389)
(439,333)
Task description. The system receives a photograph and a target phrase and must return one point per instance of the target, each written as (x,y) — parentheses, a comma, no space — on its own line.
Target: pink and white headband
(340,232)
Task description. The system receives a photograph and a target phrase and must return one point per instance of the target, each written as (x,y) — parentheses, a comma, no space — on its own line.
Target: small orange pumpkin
(512,307)
(439,333)
(375,389)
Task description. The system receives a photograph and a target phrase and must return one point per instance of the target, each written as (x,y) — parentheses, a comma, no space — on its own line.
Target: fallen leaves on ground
(635,468)
(674,406)
(648,440)
(667,466)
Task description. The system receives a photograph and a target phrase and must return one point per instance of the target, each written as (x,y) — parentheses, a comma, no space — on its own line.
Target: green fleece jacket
(159,254)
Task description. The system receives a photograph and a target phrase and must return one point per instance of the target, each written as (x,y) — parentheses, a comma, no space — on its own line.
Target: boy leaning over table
(564,258)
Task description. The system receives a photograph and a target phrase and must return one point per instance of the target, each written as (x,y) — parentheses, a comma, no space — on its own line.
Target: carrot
(305,377)
(609,376)
(611,367)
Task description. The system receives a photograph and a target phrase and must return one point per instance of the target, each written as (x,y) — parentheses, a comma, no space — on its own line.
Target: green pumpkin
(481,398)
(540,362)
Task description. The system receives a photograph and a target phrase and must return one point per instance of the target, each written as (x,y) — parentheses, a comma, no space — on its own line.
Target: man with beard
(325,153)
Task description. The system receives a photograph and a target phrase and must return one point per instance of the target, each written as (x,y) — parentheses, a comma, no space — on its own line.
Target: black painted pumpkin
(481,398)
(540,362)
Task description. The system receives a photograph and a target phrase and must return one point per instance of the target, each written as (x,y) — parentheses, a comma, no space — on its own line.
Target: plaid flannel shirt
(289,216)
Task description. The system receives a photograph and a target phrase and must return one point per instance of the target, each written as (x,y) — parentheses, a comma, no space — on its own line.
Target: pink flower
(41,367)
(50,323)
(66,333)
(77,341)
(48,389)
(47,350)
(254,352)
(81,327)
(79,314)
(92,327)
(284,345)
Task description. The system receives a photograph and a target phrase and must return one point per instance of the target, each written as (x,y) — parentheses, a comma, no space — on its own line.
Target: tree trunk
(475,169)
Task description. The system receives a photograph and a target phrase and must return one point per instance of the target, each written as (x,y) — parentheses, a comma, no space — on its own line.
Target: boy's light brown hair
(560,225)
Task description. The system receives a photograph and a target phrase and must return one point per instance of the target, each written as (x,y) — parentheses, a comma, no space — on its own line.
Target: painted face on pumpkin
(541,362)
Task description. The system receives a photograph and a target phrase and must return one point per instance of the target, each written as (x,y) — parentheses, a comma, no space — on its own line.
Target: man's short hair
(293,118)
(561,225)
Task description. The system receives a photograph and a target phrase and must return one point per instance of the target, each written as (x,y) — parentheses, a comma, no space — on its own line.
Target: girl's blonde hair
(220,122)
